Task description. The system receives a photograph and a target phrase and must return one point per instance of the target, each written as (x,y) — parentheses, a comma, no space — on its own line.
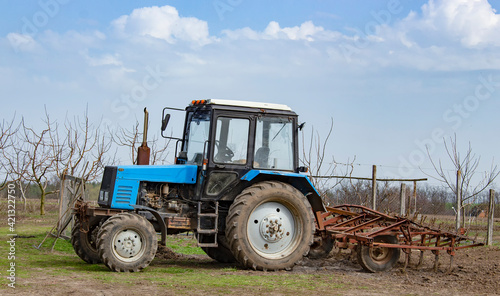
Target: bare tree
(8,129)
(38,159)
(80,150)
(464,184)
(14,162)
(131,139)
(128,138)
(322,169)
(159,153)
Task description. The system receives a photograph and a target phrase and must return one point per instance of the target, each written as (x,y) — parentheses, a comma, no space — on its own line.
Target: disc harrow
(378,238)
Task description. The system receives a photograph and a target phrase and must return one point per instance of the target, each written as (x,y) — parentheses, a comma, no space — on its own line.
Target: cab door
(230,157)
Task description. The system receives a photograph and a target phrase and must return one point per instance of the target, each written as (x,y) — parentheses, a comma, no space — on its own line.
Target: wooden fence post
(402,210)
(491,219)
(414,196)
(374,187)
(459,200)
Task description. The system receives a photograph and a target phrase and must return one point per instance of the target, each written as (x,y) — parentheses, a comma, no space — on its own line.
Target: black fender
(159,219)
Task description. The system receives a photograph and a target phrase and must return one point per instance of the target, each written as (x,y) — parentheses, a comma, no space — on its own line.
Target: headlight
(103,196)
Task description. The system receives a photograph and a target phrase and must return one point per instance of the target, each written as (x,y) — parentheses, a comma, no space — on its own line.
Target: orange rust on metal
(363,225)
(363,209)
(390,227)
(338,211)
(103,212)
(178,222)
(320,220)
(360,225)
(348,222)
(143,152)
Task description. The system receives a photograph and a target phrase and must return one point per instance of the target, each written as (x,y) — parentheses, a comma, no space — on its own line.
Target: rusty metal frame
(352,225)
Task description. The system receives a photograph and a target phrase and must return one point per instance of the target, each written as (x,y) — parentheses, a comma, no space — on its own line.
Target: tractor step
(208,215)
(206,231)
(207,245)
(208,234)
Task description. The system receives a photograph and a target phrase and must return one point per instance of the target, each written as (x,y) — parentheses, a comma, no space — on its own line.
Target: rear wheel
(374,259)
(270,226)
(127,242)
(84,237)
(222,253)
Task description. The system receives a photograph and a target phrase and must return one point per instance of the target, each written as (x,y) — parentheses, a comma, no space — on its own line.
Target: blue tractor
(236,183)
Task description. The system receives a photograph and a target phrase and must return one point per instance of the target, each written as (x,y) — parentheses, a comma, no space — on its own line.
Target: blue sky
(395,75)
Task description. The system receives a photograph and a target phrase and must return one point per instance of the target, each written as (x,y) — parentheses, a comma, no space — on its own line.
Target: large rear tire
(222,253)
(270,226)
(84,242)
(127,242)
(375,259)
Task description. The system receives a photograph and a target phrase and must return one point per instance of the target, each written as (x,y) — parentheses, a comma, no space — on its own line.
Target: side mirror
(164,122)
(301,126)
(303,169)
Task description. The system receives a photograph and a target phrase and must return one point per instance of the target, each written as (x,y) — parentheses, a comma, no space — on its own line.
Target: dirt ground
(475,271)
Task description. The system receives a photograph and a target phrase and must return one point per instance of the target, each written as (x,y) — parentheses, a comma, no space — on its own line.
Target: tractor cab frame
(228,139)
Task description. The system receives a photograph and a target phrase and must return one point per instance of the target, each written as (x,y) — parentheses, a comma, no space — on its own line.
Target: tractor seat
(262,157)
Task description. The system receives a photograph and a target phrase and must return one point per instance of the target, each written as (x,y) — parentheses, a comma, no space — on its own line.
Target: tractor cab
(229,139)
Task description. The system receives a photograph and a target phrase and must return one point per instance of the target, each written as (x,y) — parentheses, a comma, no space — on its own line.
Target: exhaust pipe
(143,151)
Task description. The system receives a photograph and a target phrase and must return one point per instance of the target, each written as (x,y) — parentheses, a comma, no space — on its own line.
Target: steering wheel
(224,154)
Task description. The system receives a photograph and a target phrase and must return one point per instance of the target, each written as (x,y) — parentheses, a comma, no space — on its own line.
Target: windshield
(197,134)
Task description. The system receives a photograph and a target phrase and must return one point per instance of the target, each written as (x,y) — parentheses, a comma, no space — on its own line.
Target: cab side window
(231,140)
(274,143)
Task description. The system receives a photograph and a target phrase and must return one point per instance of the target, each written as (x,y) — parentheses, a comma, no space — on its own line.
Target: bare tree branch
(468,186)
(81,149)
(7,141)
(314,157)
(131,138)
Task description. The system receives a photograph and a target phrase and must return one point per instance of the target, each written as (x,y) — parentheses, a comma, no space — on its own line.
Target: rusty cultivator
(379,238)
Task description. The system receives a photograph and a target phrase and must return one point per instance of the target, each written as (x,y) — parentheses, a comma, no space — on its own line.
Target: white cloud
(306,31)
(22,42)
(446,35)
(466,23)
(72,41)
(472,22)
(103,60)
(163,23)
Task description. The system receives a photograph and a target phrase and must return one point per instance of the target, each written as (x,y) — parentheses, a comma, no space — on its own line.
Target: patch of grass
(267,281)
(184,244)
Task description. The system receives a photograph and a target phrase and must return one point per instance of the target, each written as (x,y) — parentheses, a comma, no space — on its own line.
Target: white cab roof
(249,104)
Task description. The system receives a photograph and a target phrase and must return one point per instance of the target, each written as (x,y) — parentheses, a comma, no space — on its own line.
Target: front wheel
(270,226)
(374,259)
(127,242)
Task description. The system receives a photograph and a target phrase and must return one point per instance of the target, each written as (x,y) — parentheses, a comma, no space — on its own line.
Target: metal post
(491,215)
(402,203)
(459,200)
(415,196)
(374,187)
